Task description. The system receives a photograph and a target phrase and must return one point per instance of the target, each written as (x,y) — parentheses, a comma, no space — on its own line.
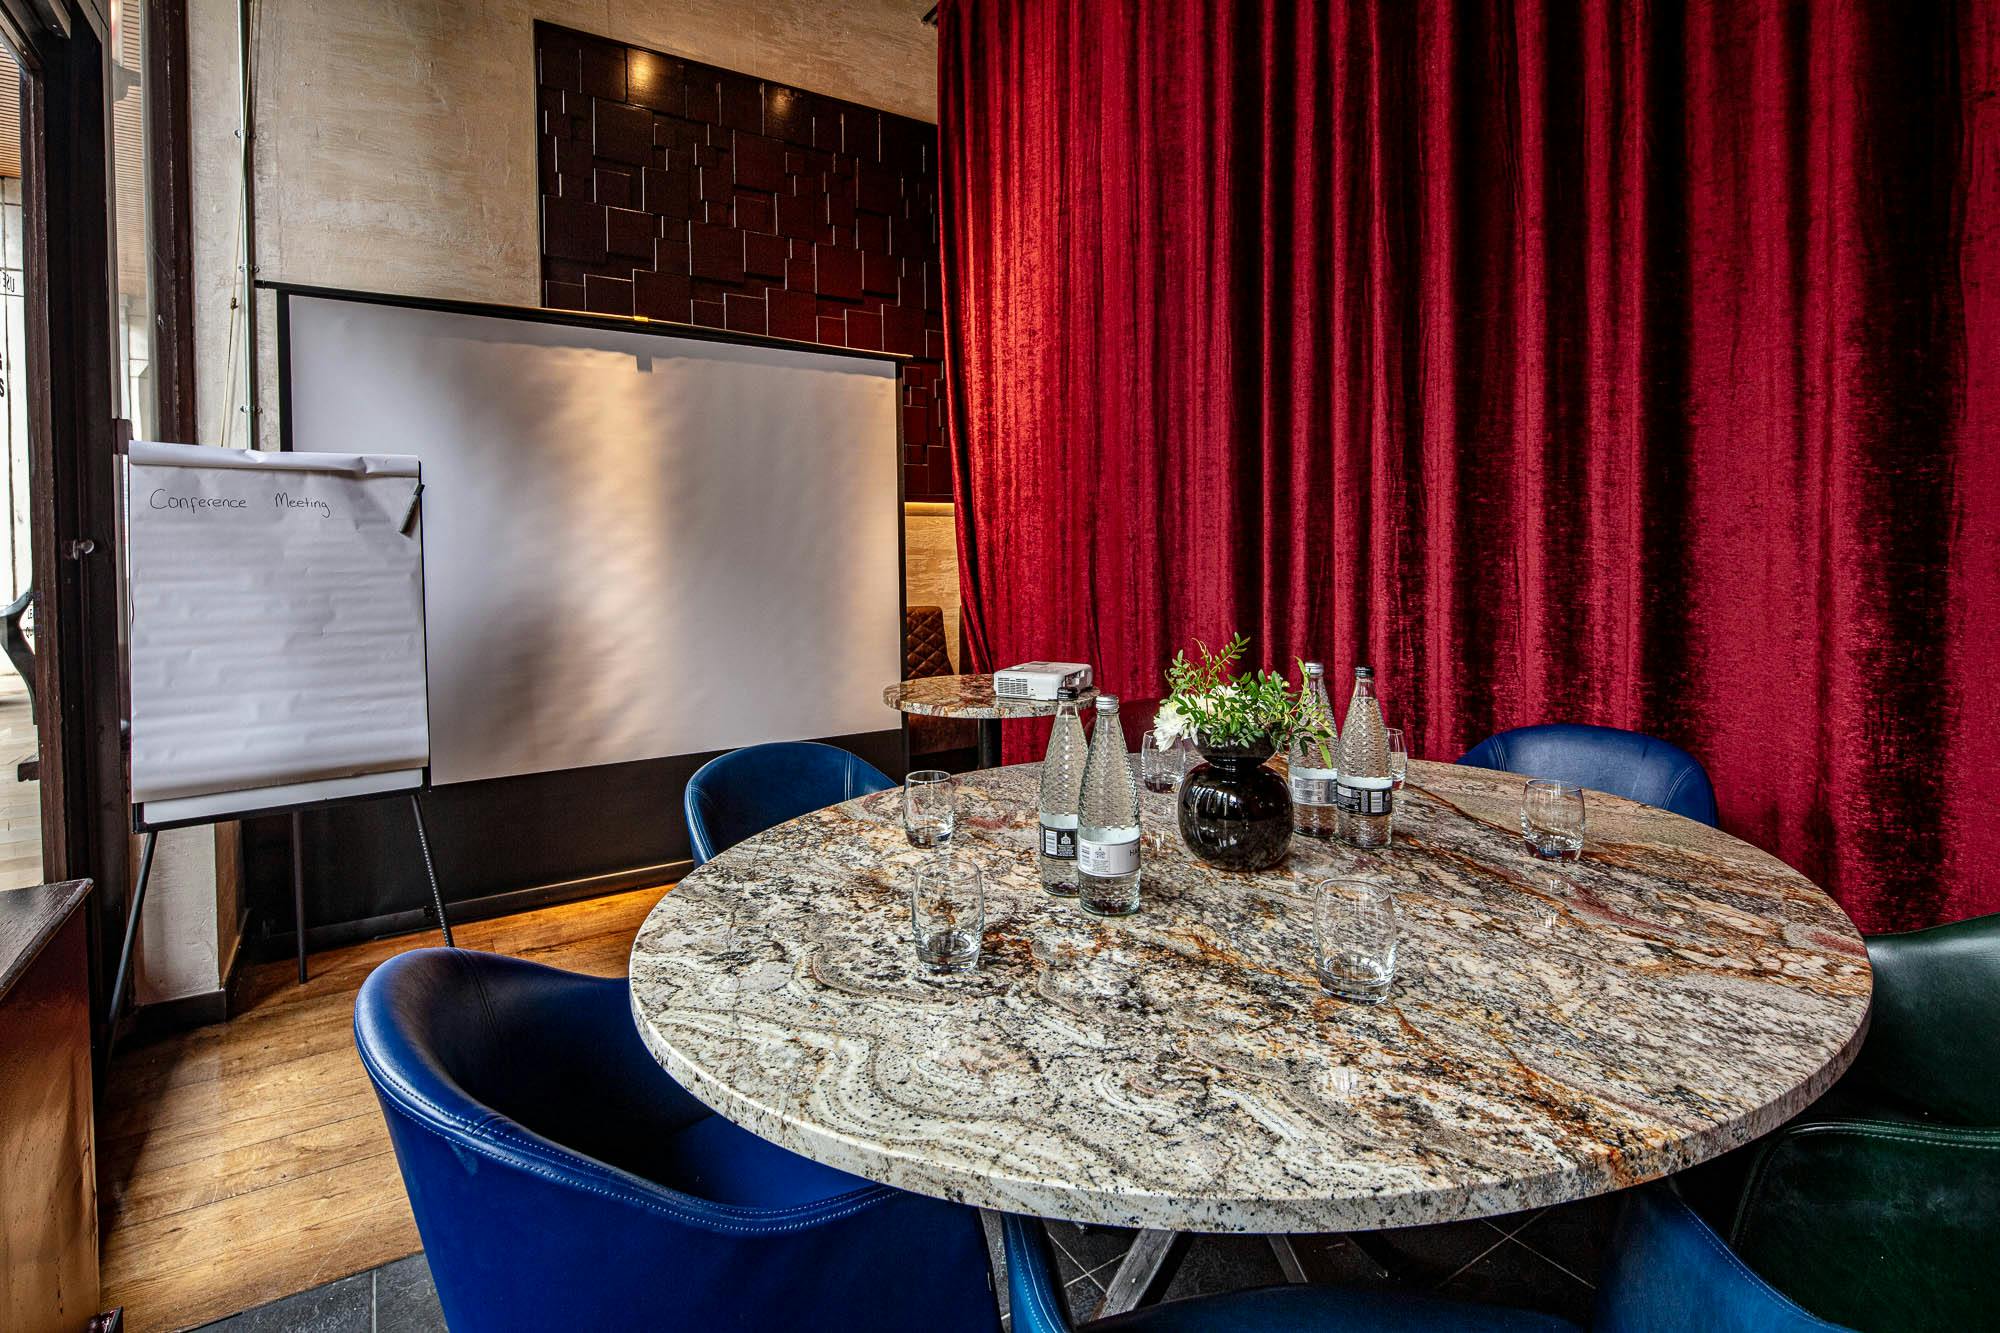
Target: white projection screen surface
(636,545)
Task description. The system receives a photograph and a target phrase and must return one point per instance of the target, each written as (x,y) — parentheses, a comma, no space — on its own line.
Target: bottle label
(1107,860)
(1059,837)
(1313,786)
(1365,796)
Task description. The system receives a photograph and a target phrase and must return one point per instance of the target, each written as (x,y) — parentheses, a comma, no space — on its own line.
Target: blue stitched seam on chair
(1674,790)
(1038,1292)
(1762,1289)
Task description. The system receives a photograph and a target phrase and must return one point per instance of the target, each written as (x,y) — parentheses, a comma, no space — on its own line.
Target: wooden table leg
(1288,1258)
(996,1257)
(989,742)
(1148,1266)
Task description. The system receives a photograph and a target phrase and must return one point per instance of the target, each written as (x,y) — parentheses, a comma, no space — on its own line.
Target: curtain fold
(1621,363)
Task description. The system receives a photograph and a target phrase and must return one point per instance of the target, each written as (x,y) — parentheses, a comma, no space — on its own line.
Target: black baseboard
(178,1015)
(334,935)
(580,830)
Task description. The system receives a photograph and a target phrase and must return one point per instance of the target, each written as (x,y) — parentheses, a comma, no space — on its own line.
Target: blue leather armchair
(560,1179)
(740,794)
(1624,763)
(1668,1273)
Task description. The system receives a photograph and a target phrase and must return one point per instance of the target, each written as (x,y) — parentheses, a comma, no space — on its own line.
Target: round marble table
(971,697)
(1555,1031)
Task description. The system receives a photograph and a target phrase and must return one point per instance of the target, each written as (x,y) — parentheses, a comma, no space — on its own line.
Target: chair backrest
(924,650)
(1933,1045)
(1883,1223)
(531,1125)
(1624,763)
(1668,1272)
(740,794)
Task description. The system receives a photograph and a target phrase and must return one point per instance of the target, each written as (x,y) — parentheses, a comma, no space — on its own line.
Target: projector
(1042,680)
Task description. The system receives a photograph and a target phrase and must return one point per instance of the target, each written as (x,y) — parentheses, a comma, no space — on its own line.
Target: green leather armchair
(1880,1206)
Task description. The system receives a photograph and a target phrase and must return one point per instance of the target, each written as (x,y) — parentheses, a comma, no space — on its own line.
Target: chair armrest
(1877,1223)
(1034,1292)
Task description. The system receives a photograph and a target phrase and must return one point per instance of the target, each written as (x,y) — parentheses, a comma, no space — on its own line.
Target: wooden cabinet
(48,1171)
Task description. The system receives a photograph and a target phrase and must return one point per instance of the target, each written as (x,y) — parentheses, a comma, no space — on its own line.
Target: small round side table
(971,697)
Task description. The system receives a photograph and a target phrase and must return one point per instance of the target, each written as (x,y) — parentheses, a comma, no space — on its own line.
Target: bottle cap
(1107,703)
(1364,673)
(1313,668)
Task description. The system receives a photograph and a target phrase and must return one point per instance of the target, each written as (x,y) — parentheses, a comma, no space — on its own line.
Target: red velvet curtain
(1624,363)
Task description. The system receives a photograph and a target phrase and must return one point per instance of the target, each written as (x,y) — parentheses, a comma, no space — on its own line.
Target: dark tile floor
(1545,1260)
(395,1298)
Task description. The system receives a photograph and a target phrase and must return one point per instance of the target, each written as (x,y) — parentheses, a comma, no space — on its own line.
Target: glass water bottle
(1107,835)
(1315,761)
(1364,791)
(1062,791)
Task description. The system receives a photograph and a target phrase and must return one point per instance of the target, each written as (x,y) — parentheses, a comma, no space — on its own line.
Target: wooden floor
(246,1161)
(20,802)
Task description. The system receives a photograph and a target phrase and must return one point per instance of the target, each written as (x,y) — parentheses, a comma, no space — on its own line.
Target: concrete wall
(181,949)
(395,151)
(396,138)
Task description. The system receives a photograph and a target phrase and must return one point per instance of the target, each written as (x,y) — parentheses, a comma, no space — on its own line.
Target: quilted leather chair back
(923,643)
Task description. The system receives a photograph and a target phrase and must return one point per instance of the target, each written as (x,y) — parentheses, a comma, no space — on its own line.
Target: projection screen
(637,544)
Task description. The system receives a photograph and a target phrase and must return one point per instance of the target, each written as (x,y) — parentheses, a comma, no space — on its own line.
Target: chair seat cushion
(1317,1309)
(716,1160)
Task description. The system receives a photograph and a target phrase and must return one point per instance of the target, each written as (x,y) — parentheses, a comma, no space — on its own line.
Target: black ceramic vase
(1236,813)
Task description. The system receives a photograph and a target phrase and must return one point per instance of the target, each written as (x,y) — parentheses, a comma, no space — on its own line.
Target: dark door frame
(170,218)
(73,442)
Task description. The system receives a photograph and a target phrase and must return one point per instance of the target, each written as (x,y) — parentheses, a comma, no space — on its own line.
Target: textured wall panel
(683,192)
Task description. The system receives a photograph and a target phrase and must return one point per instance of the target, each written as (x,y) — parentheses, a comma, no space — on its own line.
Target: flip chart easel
(276,644)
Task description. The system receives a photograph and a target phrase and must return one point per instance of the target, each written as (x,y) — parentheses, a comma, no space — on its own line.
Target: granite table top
(968,697)
(1555,1031)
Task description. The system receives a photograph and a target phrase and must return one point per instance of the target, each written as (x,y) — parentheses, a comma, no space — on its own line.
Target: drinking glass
(948,913)
(1354,938)
(930,807)
(1552,819)
(1160,770)
(1399,771)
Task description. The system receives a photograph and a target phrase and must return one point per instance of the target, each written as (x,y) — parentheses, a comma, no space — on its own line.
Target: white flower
(1169,725)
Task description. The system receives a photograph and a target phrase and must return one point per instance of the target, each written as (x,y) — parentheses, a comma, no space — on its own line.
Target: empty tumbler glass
(930,807)
(1354,938)
(1552,819)
(948,912)
(1160,770)
(1399,771)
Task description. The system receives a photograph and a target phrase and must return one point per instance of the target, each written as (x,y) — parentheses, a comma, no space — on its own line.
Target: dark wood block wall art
(679,191)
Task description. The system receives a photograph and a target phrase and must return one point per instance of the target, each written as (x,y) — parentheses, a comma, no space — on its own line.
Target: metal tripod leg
(124,972)
(430,872)
(299,890)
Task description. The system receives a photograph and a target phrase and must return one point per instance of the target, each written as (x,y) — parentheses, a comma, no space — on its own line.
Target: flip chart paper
(276,622)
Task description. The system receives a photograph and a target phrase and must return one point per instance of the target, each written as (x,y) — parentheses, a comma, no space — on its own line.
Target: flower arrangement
(1211,705)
